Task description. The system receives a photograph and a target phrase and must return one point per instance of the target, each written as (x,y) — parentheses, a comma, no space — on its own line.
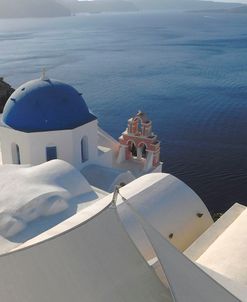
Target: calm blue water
(187,71)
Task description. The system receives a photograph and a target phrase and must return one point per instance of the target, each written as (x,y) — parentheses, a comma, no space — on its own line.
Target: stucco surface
(188,282)
(169,205)
(106,178)
(28,193)
(95,262)
(203,242)
(227,255)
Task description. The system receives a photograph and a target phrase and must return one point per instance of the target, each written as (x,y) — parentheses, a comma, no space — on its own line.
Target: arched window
(132,148)
(16,158)
(143,150)
(84,149)
(139,126)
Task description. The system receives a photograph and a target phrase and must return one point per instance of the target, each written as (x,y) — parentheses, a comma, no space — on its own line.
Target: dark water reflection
(187,71)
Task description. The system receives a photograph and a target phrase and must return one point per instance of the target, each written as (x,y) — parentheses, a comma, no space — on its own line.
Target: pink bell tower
(139,144)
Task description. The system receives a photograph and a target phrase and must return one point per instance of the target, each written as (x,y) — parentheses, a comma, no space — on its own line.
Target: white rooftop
(34,199)
(221,251)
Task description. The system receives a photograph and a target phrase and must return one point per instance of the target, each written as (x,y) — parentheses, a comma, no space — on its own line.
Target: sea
(186,70)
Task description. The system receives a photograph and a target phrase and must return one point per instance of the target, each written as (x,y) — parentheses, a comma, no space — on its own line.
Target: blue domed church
(45,119)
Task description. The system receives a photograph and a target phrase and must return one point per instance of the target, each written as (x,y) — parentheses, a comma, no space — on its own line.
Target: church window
(51,153)
(84,149)
(16,157)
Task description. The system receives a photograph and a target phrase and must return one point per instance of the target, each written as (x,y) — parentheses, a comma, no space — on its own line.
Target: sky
(233,1)
(230,1)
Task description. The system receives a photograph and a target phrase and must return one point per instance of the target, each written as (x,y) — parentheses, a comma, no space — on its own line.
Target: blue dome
(45,105)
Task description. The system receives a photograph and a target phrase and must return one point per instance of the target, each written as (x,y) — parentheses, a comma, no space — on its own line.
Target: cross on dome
(43,75)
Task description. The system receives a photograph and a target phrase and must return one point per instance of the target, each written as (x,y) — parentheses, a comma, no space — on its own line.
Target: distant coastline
(182,5)
(106,6)
(60,8)
(64,8)
(32,9)
(235,10)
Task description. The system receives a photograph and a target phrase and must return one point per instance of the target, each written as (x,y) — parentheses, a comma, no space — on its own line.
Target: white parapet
(121,154)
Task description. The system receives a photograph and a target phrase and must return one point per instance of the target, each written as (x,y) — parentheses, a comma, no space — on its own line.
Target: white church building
(45,119)
(84,217)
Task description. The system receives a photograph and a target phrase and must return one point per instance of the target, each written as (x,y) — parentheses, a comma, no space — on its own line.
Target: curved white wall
(169,205)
